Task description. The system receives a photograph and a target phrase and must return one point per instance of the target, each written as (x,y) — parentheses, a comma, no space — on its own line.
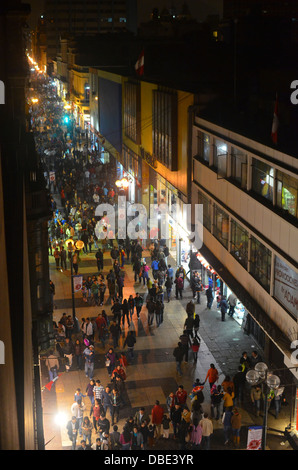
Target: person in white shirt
(77,409)
(207,430)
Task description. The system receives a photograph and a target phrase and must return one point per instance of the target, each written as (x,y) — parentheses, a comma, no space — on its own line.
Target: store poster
(254,438)
(286,286)
(77,283)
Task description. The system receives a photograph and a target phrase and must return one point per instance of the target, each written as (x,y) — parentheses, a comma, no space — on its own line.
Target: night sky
(198,8)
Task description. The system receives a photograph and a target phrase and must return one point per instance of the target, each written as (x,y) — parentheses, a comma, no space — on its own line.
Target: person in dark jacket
(130,342)
(239,381)
(224,307)
(99,259)
(176,417)
(125,312)
(178,354)
(116,403)
(210,297)
(72,431)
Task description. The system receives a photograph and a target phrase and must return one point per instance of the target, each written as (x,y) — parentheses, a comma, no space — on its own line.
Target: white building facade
(249,192)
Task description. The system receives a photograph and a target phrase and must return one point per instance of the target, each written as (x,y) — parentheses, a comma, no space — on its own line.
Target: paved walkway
(153,375)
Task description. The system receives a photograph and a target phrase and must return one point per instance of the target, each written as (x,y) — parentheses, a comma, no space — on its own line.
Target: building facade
(144,126)
(26,319)
(89,18)
(249,194)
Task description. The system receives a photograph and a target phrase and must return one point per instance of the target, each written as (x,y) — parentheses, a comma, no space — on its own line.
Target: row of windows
(132,111)
(246,249)
(164,128)
(164,122)
(277,187)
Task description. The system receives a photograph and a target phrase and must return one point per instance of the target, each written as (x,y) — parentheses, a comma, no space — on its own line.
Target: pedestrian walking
(110,360)
(178,353)
(156,418)
(236,427)
(115,332)
(212,375)
(130,342)
(227,426)
(72,431)
(207,431)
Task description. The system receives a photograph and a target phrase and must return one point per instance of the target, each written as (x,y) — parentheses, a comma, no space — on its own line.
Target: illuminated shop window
(286,193)
(262,179)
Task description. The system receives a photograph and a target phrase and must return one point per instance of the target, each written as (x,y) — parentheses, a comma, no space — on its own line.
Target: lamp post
(261,375)
(72,246)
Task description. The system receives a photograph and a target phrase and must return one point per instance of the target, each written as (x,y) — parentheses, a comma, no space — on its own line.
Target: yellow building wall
(176,178)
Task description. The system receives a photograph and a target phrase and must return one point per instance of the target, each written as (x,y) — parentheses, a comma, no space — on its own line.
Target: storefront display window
(260,263)
(240,311)
(286,193)
(239,243)
(221,226)
(262,179)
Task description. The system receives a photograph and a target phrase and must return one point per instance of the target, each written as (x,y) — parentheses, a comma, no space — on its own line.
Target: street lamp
(123,183)
(72,246)
(261,375)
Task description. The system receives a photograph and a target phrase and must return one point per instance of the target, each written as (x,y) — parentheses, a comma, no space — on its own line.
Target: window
(239,243)
(164,128)
(220,157)
(204,146)
(87,92)
(286,193)
(262,179)
(132,111)
(260,263)
(202,199)
(221,226)
(239,167)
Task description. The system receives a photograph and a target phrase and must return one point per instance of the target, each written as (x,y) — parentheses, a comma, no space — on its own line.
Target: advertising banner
(77,283)
(286,286)
(254,438)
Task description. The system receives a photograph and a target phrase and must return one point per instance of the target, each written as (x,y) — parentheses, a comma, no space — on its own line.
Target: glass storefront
(161,192)
(209,275)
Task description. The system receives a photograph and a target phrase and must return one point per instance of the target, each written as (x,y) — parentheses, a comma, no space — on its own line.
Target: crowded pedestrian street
(120,322)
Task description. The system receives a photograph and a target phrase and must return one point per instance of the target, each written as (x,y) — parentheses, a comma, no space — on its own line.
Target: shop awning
(257,313)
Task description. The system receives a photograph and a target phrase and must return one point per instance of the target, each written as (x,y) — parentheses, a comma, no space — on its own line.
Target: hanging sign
(77,283)
(254,438)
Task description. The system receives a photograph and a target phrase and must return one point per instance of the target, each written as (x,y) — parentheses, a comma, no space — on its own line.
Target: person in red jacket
(181,396)
(156,417)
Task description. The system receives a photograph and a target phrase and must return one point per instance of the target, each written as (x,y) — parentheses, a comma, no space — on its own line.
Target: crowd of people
(77,179)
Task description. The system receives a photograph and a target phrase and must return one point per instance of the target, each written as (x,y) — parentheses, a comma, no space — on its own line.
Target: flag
(49,384)
(139,66)
(275,123)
